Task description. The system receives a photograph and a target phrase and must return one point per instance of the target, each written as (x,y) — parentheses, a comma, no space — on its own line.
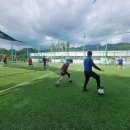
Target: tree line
(23,54)
(13,54)
(59,47)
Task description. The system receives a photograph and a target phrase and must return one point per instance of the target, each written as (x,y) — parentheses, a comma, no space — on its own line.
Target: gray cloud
(43,21)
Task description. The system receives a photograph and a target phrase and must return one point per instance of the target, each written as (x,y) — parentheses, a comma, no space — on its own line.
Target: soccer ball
(101,91)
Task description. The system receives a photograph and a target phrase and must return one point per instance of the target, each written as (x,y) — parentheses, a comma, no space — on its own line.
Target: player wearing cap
(64,71)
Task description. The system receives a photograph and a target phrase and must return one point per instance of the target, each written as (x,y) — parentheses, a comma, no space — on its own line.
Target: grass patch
(40,105)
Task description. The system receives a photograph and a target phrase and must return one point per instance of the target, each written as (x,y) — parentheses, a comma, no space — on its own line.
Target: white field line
(24,83)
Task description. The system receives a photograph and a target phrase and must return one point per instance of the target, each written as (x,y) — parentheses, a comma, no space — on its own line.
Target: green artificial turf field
(29,99)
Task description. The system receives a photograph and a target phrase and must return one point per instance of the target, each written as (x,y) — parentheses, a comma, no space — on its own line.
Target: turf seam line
(4,90)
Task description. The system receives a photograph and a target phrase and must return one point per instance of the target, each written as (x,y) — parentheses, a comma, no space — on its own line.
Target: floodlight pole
(106,53)
(67,42)
(38,53)
(97,47)
(15,56)
(51,48)
(27,53)
(62,46)
(12,57)
(84,45)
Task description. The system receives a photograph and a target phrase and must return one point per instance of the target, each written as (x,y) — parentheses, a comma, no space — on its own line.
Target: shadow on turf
(107,81)
(40,101)
(54,69)
(11,91)
(43,82)
(16,73)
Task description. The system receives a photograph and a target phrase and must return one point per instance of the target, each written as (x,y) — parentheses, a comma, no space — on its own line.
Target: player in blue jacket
(44,62)
(88,64)
(120,63)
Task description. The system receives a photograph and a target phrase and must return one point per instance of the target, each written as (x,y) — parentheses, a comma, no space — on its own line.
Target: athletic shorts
(120,64)
(62,74)
(5,61)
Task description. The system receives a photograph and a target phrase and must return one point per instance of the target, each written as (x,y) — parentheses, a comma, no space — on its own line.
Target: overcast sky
(47,21)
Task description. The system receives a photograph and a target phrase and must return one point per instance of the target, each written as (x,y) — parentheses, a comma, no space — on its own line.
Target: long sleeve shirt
(88,64)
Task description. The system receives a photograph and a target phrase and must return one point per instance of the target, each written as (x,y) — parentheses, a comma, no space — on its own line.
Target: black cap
(89,53)
(71,61)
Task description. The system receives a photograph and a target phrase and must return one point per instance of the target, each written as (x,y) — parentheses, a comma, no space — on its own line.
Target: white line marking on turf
(24,83)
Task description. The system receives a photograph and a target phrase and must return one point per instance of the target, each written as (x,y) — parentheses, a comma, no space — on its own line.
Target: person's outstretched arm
(96,67)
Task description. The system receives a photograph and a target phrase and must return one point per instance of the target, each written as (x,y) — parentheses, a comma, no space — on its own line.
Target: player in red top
(64,71)
(47,61)
(5,59)
(30,62)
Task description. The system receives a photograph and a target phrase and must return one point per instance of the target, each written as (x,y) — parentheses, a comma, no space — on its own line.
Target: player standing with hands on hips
(88,64)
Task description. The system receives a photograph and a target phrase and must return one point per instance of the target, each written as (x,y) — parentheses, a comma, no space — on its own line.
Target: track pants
(91,74)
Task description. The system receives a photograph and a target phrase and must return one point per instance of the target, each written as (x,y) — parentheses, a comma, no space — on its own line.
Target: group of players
(88,72)
(45,61)
(88,64)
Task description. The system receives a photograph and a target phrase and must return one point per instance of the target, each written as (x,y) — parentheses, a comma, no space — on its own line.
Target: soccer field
(29,99)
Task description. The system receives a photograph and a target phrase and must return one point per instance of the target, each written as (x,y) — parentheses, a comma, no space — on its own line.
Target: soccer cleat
(101,87)
(57,84)
(85,90)
(70,81)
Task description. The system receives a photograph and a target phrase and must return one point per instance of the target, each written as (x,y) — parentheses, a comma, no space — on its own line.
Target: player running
(120,63)
(64,71)
(5,59)
(44,62)
(30,62)
(47,61)
(88,64)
